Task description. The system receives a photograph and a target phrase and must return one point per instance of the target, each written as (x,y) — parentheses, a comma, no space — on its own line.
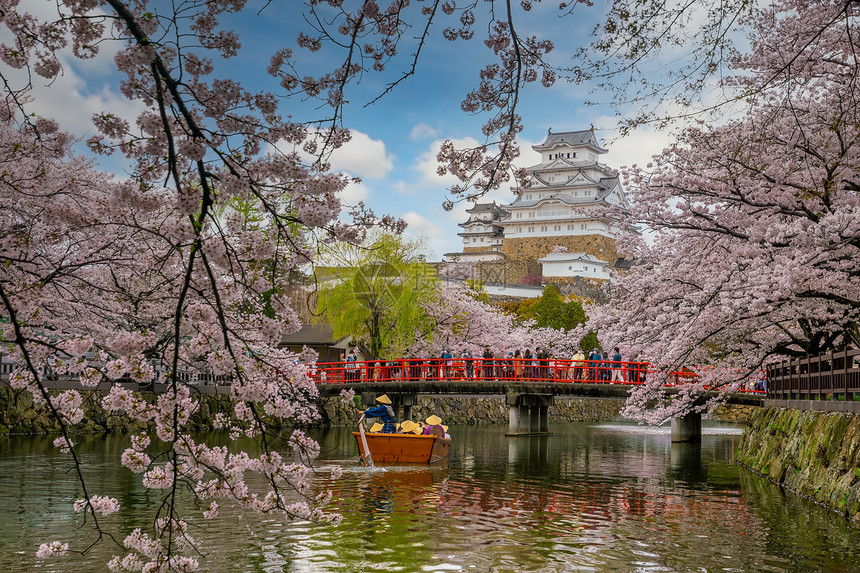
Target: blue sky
(396,139)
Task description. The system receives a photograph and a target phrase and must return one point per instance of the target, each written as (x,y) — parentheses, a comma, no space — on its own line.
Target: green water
(604,497)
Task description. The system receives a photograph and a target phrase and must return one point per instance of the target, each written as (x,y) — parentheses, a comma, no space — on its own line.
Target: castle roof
(572,138)
(604,187)
(485,207)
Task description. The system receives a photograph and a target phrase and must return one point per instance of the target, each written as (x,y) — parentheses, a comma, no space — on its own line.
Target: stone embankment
(485,410)
(18,416)
(814,454)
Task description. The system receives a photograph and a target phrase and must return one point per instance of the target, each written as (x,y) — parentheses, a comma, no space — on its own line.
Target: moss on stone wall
(815,454)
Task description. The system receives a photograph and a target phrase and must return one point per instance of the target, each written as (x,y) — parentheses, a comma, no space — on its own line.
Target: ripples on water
(608,497)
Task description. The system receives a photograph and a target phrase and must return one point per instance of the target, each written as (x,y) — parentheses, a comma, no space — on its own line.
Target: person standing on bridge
(488,363)
(518,364)
(617,371)
(385,413)
(576,363)
(467,357)
(447,362)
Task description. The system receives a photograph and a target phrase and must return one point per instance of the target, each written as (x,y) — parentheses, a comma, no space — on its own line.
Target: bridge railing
(496,369)
(828,376)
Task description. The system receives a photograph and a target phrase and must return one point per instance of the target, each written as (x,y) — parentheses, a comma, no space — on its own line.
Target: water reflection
(588,498)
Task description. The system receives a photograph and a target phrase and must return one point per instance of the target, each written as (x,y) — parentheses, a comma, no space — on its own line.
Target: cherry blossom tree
(456,318)
(754,226)
(182,262)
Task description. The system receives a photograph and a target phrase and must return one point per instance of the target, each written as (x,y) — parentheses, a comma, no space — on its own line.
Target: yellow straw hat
(418,430)
(408,426)
(433,420)
(377,427)
(444,427)
(384,399)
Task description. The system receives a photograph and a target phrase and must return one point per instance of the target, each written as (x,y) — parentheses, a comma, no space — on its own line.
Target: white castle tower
(556,219)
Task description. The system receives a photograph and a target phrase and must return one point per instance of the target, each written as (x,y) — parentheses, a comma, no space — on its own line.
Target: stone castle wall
(536,247)
(507,272)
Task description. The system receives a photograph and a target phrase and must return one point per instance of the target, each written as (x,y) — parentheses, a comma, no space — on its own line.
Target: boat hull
(404,448)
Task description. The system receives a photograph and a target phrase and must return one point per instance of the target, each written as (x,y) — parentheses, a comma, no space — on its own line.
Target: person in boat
(434,426)
(407,427)
(384,412)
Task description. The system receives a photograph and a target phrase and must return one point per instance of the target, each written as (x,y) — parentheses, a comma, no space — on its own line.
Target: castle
(556,220)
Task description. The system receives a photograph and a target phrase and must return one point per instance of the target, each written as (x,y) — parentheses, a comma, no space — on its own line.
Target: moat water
(591,497)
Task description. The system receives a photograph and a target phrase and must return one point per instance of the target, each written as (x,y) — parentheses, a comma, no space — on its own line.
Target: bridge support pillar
(687,428)
(528,414)
(402,404)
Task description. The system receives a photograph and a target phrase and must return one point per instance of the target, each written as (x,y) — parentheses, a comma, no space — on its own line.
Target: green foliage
(590,341)
(552,310)
(374,293)
(475,289)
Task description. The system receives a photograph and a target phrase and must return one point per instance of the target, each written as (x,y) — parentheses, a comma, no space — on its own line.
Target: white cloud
(354,192)
(422,131)
(426,164)
(636,148)
(403,189)
(421,226)
(528,156)
(363,157)
(66,100)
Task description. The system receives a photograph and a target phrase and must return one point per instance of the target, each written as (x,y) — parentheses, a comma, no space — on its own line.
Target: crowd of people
(540,365)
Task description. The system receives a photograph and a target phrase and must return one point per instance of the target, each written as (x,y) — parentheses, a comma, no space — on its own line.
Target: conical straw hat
(384,399)
(433,420)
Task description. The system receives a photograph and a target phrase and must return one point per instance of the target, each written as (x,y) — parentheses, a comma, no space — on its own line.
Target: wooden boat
(405,448)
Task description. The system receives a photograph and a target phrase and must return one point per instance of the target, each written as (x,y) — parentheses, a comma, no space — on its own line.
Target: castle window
(570,268)
(583,226)
(482,239)
(574,154)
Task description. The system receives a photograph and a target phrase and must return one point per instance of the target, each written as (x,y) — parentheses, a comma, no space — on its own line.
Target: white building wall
(576,268)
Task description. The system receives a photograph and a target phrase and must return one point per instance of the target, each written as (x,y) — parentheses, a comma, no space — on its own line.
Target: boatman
(384,412)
